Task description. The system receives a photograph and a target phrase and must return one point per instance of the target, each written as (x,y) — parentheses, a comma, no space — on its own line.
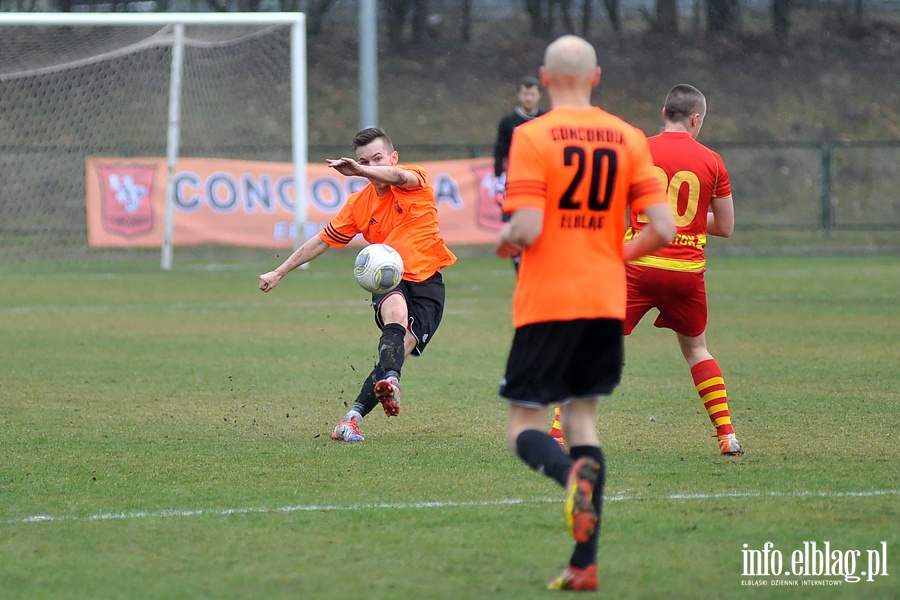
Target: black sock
(366,400)
(586,553)
(390,348)
(542,453)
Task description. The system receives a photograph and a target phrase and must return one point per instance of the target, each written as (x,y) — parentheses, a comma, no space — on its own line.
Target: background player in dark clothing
(528,107)
(529,97)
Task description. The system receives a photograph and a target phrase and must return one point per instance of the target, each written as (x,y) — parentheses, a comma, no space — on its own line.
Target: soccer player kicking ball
(672,278)
(572,175)
(397,207)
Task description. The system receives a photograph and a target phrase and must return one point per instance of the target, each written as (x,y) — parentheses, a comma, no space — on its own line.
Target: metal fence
(813,186)
(826,186)
(782,191)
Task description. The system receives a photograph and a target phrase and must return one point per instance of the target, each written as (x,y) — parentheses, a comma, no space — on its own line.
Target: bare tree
(397,13)
(315,15)
(248,5)
(721,16)
(666,19)
(542,14)
(587,12)
(781,19)
(612,12)
(565,10)
(465,21)
(219,5)
(539,22)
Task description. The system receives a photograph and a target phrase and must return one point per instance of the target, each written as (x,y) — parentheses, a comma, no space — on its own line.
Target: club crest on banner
(125,192)
(489,212)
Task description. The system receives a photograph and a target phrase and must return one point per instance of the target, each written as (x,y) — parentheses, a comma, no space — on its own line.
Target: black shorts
(558,360)
(425,304)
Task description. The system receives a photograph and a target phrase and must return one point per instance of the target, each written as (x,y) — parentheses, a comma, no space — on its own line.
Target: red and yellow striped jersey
(692,176)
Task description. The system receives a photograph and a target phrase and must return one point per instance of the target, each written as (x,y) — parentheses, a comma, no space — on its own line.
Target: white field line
(210,307)
(222,512)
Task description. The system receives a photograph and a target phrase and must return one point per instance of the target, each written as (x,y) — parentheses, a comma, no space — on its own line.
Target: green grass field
(166,435)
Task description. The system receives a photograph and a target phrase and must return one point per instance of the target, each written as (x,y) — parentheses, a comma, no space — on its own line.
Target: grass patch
(173,431)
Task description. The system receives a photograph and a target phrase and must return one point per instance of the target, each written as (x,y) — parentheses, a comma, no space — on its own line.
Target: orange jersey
(582,168)
(404,218)
(692,175)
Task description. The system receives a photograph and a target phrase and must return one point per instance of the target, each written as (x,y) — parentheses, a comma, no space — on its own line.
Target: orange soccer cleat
(387,391)
(581,518)
(584,580)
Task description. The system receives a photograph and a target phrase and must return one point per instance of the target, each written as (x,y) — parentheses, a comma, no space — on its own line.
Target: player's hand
(507,249)
(345,166)
(499,192)
(268,281)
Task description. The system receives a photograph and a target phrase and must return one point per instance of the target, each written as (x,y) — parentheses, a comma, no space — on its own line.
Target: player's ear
(395,158)
(596,80)
(697,122)
(545,80)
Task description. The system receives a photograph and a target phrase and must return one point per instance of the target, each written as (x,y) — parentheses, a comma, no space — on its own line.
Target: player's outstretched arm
(309,250)
(389,175)
(392,176)
(658,232)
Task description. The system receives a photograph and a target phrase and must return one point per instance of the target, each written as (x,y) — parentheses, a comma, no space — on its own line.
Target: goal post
(216,85)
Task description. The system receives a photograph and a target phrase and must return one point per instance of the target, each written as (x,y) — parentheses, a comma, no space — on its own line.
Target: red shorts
(680,298)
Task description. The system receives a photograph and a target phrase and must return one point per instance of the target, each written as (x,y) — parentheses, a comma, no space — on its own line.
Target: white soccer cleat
(729,445)
(347,431)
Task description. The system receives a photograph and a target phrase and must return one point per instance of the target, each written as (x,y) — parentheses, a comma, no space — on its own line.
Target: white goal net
(81,85)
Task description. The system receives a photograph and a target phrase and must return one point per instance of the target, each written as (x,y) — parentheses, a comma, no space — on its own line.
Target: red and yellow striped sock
(556,428)
(711,388)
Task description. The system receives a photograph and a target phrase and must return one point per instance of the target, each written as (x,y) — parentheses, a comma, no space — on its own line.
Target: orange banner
(252,204)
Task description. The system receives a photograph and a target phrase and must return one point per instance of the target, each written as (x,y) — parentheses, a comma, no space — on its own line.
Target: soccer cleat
(729,445)
(387,391)
(581,518)
(585,580)
(347,431)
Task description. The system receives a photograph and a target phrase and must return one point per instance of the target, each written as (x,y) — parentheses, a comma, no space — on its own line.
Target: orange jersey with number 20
(582,167)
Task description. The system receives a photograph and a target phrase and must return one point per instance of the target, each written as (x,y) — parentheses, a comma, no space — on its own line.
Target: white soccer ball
(378,268)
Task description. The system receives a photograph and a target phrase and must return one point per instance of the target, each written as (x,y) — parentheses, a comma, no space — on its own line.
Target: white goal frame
(299,139)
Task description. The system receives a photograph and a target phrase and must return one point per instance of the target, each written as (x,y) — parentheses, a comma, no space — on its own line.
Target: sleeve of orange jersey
(646,189)
(526,186)
(342,227)
(418,171)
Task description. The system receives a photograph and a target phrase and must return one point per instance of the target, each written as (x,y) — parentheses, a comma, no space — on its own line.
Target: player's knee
(394,315)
